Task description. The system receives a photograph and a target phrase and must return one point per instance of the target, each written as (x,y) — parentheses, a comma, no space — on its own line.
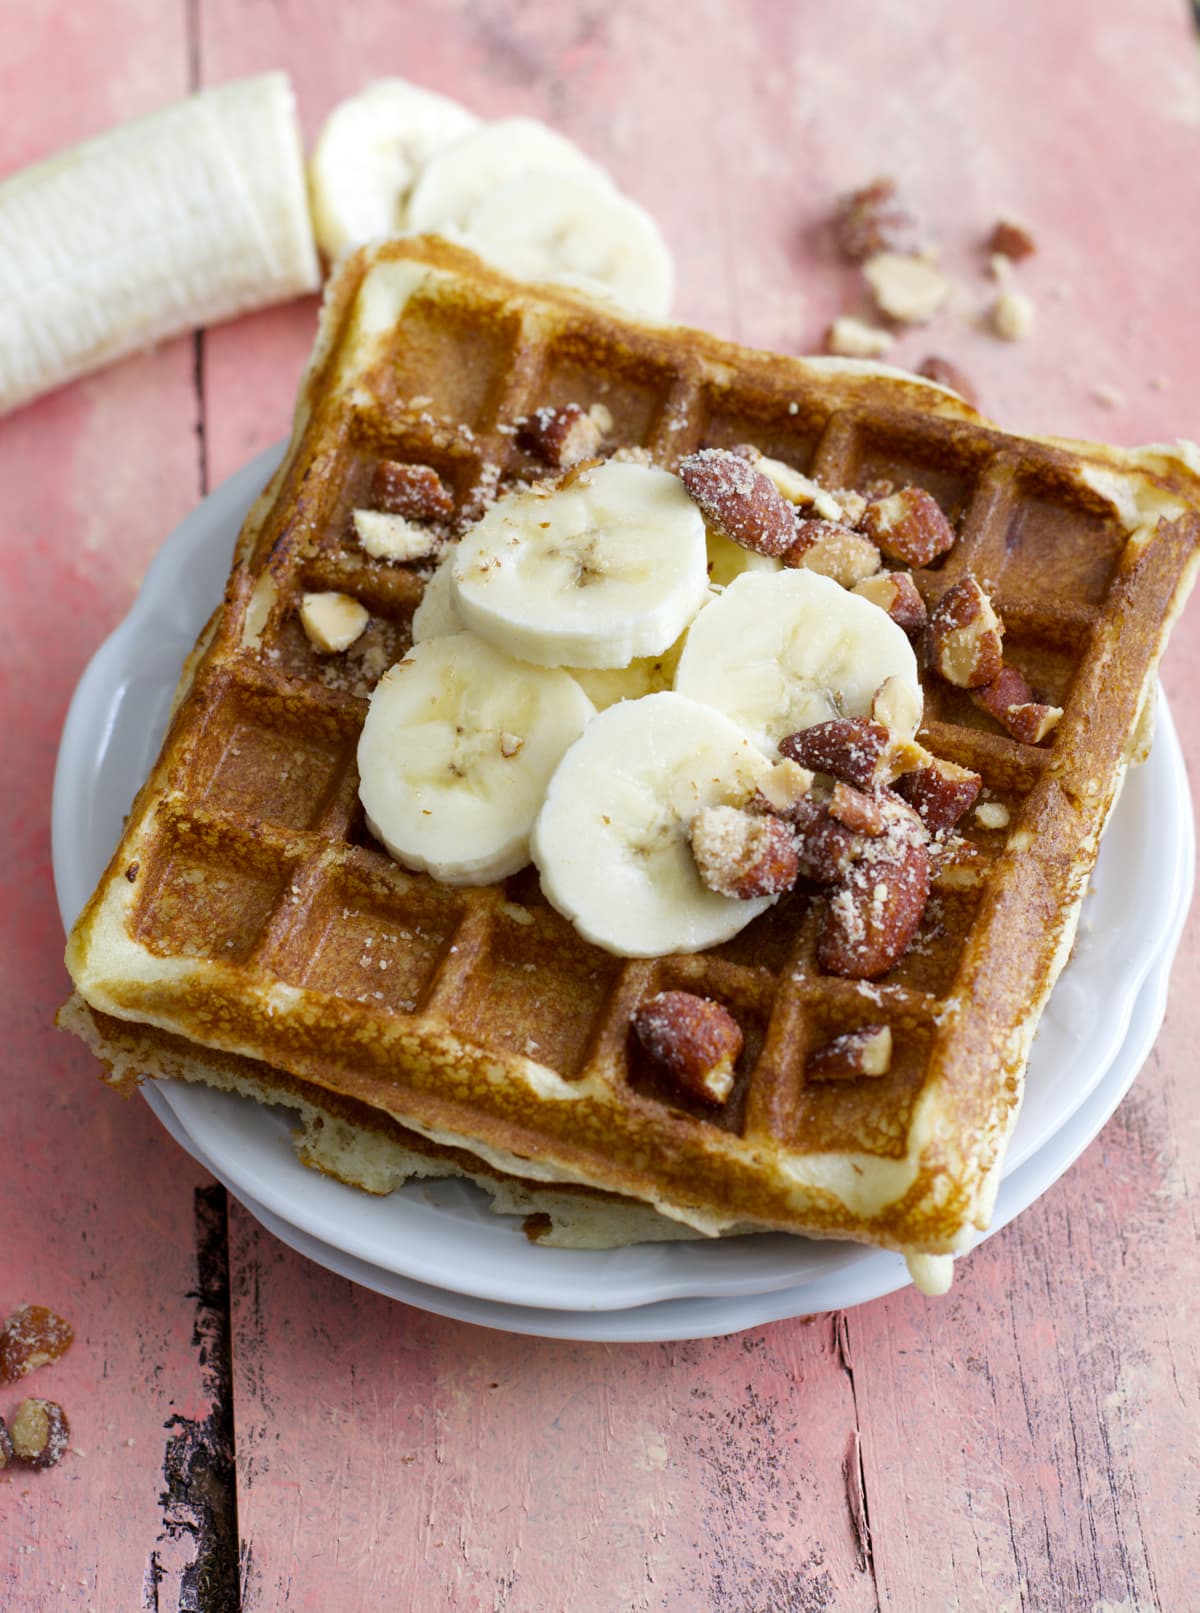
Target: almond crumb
(1011,240)
(332,621)
(992,815)
(393,537)
(866,1051)
(854,338)
(909,289)
(1013,315)
(743,854)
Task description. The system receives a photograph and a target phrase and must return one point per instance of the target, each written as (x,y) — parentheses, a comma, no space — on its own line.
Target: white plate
(443,1235)
(676,1319)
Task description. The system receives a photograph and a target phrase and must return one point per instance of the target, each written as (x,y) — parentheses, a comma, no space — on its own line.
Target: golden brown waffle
(249,910)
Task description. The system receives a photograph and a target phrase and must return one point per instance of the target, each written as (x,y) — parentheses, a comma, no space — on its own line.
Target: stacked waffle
(251,932)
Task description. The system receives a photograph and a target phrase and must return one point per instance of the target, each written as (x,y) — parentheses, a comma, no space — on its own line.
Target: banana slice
(183,218)
(727,560)
(595,574)
(457,179)
(780,653)
(544,225)
(437,614)
(455,755)
(611,843)
(370,149)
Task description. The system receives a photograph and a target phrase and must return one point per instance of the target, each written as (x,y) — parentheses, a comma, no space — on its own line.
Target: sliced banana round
(779,653)
(727,560)
(457,179)
(436,613)
(367,155)
(544,225)
(594,574)
(612,841)
(605,686)
(459,744)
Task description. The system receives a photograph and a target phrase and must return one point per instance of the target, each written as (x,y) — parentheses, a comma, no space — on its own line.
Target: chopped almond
(854,338)
(909,289)
(865,1051)
(332,621)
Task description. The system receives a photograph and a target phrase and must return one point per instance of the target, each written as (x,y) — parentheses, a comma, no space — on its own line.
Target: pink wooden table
(252,1432)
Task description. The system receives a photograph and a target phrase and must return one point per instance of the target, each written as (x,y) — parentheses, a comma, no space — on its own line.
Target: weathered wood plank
(98,1216)
(389,1458)
(1053,1396)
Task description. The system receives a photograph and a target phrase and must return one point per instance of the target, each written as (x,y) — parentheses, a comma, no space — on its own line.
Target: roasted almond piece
(854,338)
(781,789)
(866,1051)
(394,537)
(832,550)
(965,636)
(907,288)
(1011,701)
(855,749)
(856,810)
(1013,315)
(1011,240)
(852,504)
(992,815)
(898,704)
(744,854)
(872,916)
(896,594)
(560,436)
(739,501)
(39,1432)
(32,1337)
(908,526)
(957,864)
(694,1040)
(332,621)
(416,492)
(945,373)
(939,792)
(875,219)
(794,485)
(825,847)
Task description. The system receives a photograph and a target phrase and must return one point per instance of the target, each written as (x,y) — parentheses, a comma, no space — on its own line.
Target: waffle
(249,912)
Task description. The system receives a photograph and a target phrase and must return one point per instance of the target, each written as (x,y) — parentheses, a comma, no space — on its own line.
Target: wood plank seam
(853,1472)
(199,1497)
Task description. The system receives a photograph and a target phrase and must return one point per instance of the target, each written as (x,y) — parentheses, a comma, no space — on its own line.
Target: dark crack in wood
(199,1496)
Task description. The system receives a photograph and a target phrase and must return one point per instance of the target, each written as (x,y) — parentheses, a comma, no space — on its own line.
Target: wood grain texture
(1028,1443)
(97,1209)
(441,1465)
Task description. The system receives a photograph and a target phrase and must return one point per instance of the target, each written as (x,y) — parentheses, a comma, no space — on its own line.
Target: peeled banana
(188,216)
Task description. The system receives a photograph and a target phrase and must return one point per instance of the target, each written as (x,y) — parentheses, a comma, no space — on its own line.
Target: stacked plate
(437,1246)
